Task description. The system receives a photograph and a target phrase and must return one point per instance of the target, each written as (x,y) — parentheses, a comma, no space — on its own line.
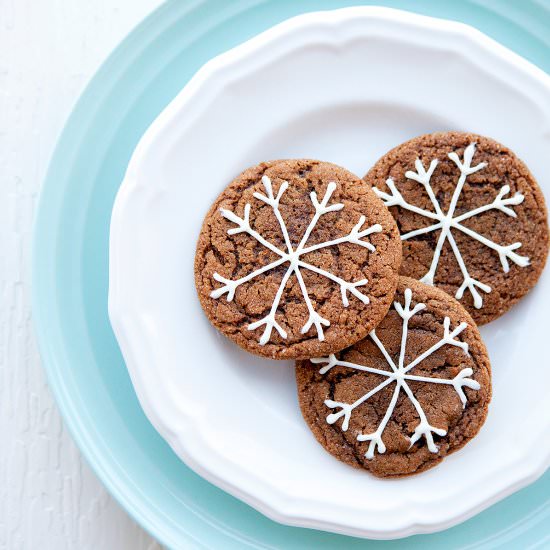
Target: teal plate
(70,276)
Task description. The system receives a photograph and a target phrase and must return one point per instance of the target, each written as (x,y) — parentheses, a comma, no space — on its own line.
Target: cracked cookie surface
(297,258)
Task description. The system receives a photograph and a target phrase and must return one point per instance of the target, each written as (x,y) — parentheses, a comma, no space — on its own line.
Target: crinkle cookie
(297,258)
(414,391)
(471,216)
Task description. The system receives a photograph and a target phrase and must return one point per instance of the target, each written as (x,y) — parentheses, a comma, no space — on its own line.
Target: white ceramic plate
(343,86)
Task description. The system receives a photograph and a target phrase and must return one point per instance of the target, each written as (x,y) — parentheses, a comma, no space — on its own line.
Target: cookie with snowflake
(412,392)
(297,258)
(471,216)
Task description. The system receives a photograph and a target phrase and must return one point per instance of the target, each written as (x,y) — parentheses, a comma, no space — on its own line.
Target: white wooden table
(49,498)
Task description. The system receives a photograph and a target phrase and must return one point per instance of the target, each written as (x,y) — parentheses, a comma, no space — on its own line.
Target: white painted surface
(49,498)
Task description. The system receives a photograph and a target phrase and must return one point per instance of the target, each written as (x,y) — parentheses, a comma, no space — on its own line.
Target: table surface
(49,497)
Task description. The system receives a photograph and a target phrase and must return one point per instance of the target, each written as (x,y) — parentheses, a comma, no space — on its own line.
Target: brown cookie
(412,392)
(472,218)
(297,258)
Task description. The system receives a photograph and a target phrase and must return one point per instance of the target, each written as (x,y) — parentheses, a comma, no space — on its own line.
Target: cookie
(472,218)
(297,258)
(414,391)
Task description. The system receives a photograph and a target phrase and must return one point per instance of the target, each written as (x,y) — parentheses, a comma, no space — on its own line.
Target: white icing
(293,257)
(399,374)
(447,222)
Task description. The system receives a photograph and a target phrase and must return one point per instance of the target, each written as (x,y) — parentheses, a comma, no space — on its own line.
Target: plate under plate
(85,369)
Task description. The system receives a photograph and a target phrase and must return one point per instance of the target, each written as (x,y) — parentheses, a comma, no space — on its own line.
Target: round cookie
(472,218)
(412,392)
(297,258)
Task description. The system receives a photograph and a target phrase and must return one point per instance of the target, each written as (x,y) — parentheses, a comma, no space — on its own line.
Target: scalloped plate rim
(273,505)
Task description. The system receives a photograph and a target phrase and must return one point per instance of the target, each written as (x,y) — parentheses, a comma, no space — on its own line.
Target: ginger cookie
(471,216)
(297,258)
(412,392)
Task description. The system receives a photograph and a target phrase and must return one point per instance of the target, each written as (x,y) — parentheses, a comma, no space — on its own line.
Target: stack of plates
(459,79)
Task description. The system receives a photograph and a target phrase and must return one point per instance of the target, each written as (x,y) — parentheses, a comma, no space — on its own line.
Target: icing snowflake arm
(269,320)
(429,277)
(331,361)
(320,209)
(347,408)
(499,203)
(421,231)
(423,177)
(405,312)
(505,252)
(273,201)
(375,438)
(468,281)
(229,286)
(354,236)
(395,198)
(424,428)
(380,346)
(465,165)
(449,338)
(345,287)
(461,380)
(243,226)
(314,317)
(458,382)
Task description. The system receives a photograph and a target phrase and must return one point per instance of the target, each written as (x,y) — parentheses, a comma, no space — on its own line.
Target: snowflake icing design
(293,256)
(400,374)
(448,221)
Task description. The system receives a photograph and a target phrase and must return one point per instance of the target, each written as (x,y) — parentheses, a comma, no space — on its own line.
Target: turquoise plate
(70,271)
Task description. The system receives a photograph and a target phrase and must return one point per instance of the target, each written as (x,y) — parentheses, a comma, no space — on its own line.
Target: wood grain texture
(49,498)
